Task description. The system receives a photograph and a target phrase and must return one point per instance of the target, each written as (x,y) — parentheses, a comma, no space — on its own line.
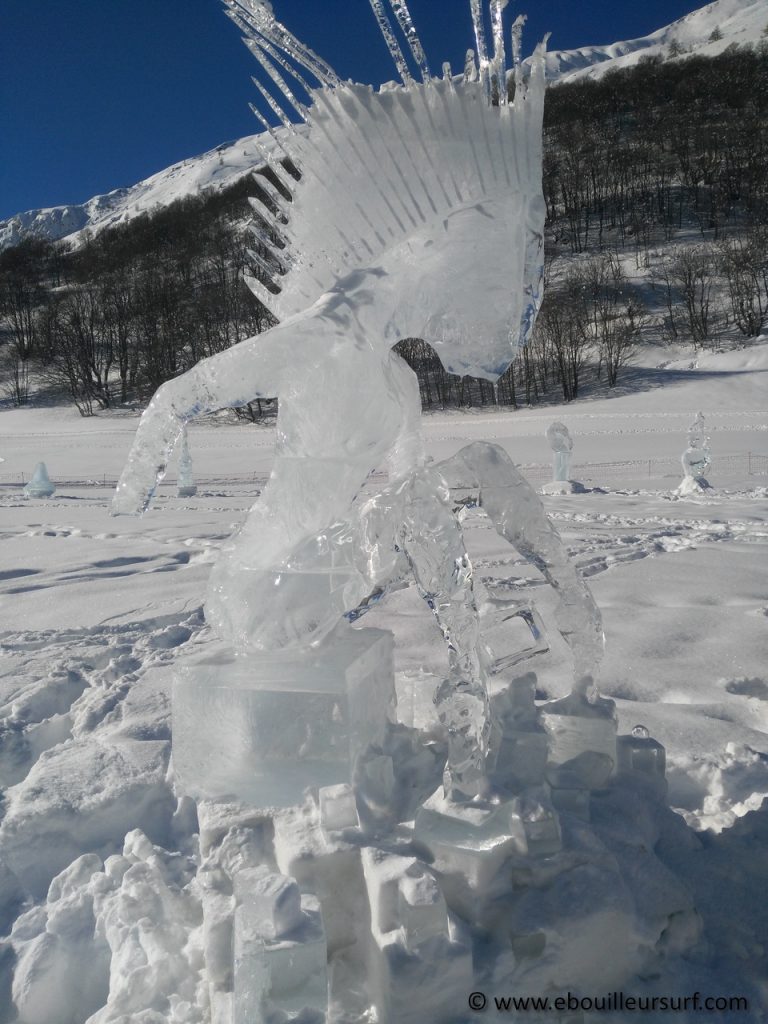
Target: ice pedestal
(467,844)
(563,487)
(277,969)
(420,957)
(582,749)
(260,729)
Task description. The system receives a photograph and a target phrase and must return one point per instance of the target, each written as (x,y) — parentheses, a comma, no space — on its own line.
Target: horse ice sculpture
(412,211)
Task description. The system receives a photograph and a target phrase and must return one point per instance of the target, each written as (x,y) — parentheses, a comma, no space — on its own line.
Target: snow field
(101,915)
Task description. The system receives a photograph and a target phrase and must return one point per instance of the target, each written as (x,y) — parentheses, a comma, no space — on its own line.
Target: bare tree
(744,264)
(613,315)
(689,276)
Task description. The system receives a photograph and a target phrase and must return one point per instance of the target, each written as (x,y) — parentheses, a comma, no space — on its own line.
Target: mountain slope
(215,169)
(736,21)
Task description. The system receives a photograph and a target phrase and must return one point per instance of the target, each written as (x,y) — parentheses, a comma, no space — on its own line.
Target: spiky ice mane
(359,170)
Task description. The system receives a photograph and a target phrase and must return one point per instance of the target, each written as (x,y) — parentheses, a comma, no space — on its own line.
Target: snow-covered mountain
(215,169)
(735,21)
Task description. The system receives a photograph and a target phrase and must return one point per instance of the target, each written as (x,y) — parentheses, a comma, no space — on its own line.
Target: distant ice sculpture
(40,485)
(696,459)
(185,482)
(561,443)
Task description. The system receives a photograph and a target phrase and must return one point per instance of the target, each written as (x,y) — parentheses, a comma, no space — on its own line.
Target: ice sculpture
(561,443)
(371,226)
(40,485)
(696,459)
(414,210)
(185,483)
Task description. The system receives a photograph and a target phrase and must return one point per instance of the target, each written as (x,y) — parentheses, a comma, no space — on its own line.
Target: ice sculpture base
(262,729)
(563,487)
(692,485)
(467,844)
(420,956)
(582,742)
(286,974)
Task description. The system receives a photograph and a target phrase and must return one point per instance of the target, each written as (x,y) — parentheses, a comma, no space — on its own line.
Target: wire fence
(724,469)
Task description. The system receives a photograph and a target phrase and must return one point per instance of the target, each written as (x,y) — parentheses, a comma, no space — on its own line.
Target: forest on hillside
(657,227)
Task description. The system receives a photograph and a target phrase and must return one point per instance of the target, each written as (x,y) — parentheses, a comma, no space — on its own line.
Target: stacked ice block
(263,730)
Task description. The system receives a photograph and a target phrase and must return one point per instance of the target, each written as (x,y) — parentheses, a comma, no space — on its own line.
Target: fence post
(649,469)
(749,463)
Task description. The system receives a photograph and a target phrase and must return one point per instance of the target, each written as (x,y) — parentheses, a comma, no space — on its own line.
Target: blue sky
(97,94)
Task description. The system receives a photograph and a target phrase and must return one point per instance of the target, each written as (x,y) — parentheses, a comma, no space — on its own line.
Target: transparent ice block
(262,728)
(422,911)
(582,741)
(287,974)
(469,840)
(639,752)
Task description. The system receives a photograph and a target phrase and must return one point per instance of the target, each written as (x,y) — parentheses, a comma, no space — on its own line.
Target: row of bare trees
(113,321)
(644,152)
(711,286)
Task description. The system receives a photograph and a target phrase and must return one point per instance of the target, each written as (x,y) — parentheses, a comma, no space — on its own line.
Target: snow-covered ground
(96,612)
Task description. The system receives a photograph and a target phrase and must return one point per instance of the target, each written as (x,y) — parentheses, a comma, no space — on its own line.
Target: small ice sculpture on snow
(185,482)
(40,485)
(696,459)
(561,443)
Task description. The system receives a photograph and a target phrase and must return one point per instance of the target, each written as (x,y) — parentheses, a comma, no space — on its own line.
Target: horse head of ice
(465,283)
